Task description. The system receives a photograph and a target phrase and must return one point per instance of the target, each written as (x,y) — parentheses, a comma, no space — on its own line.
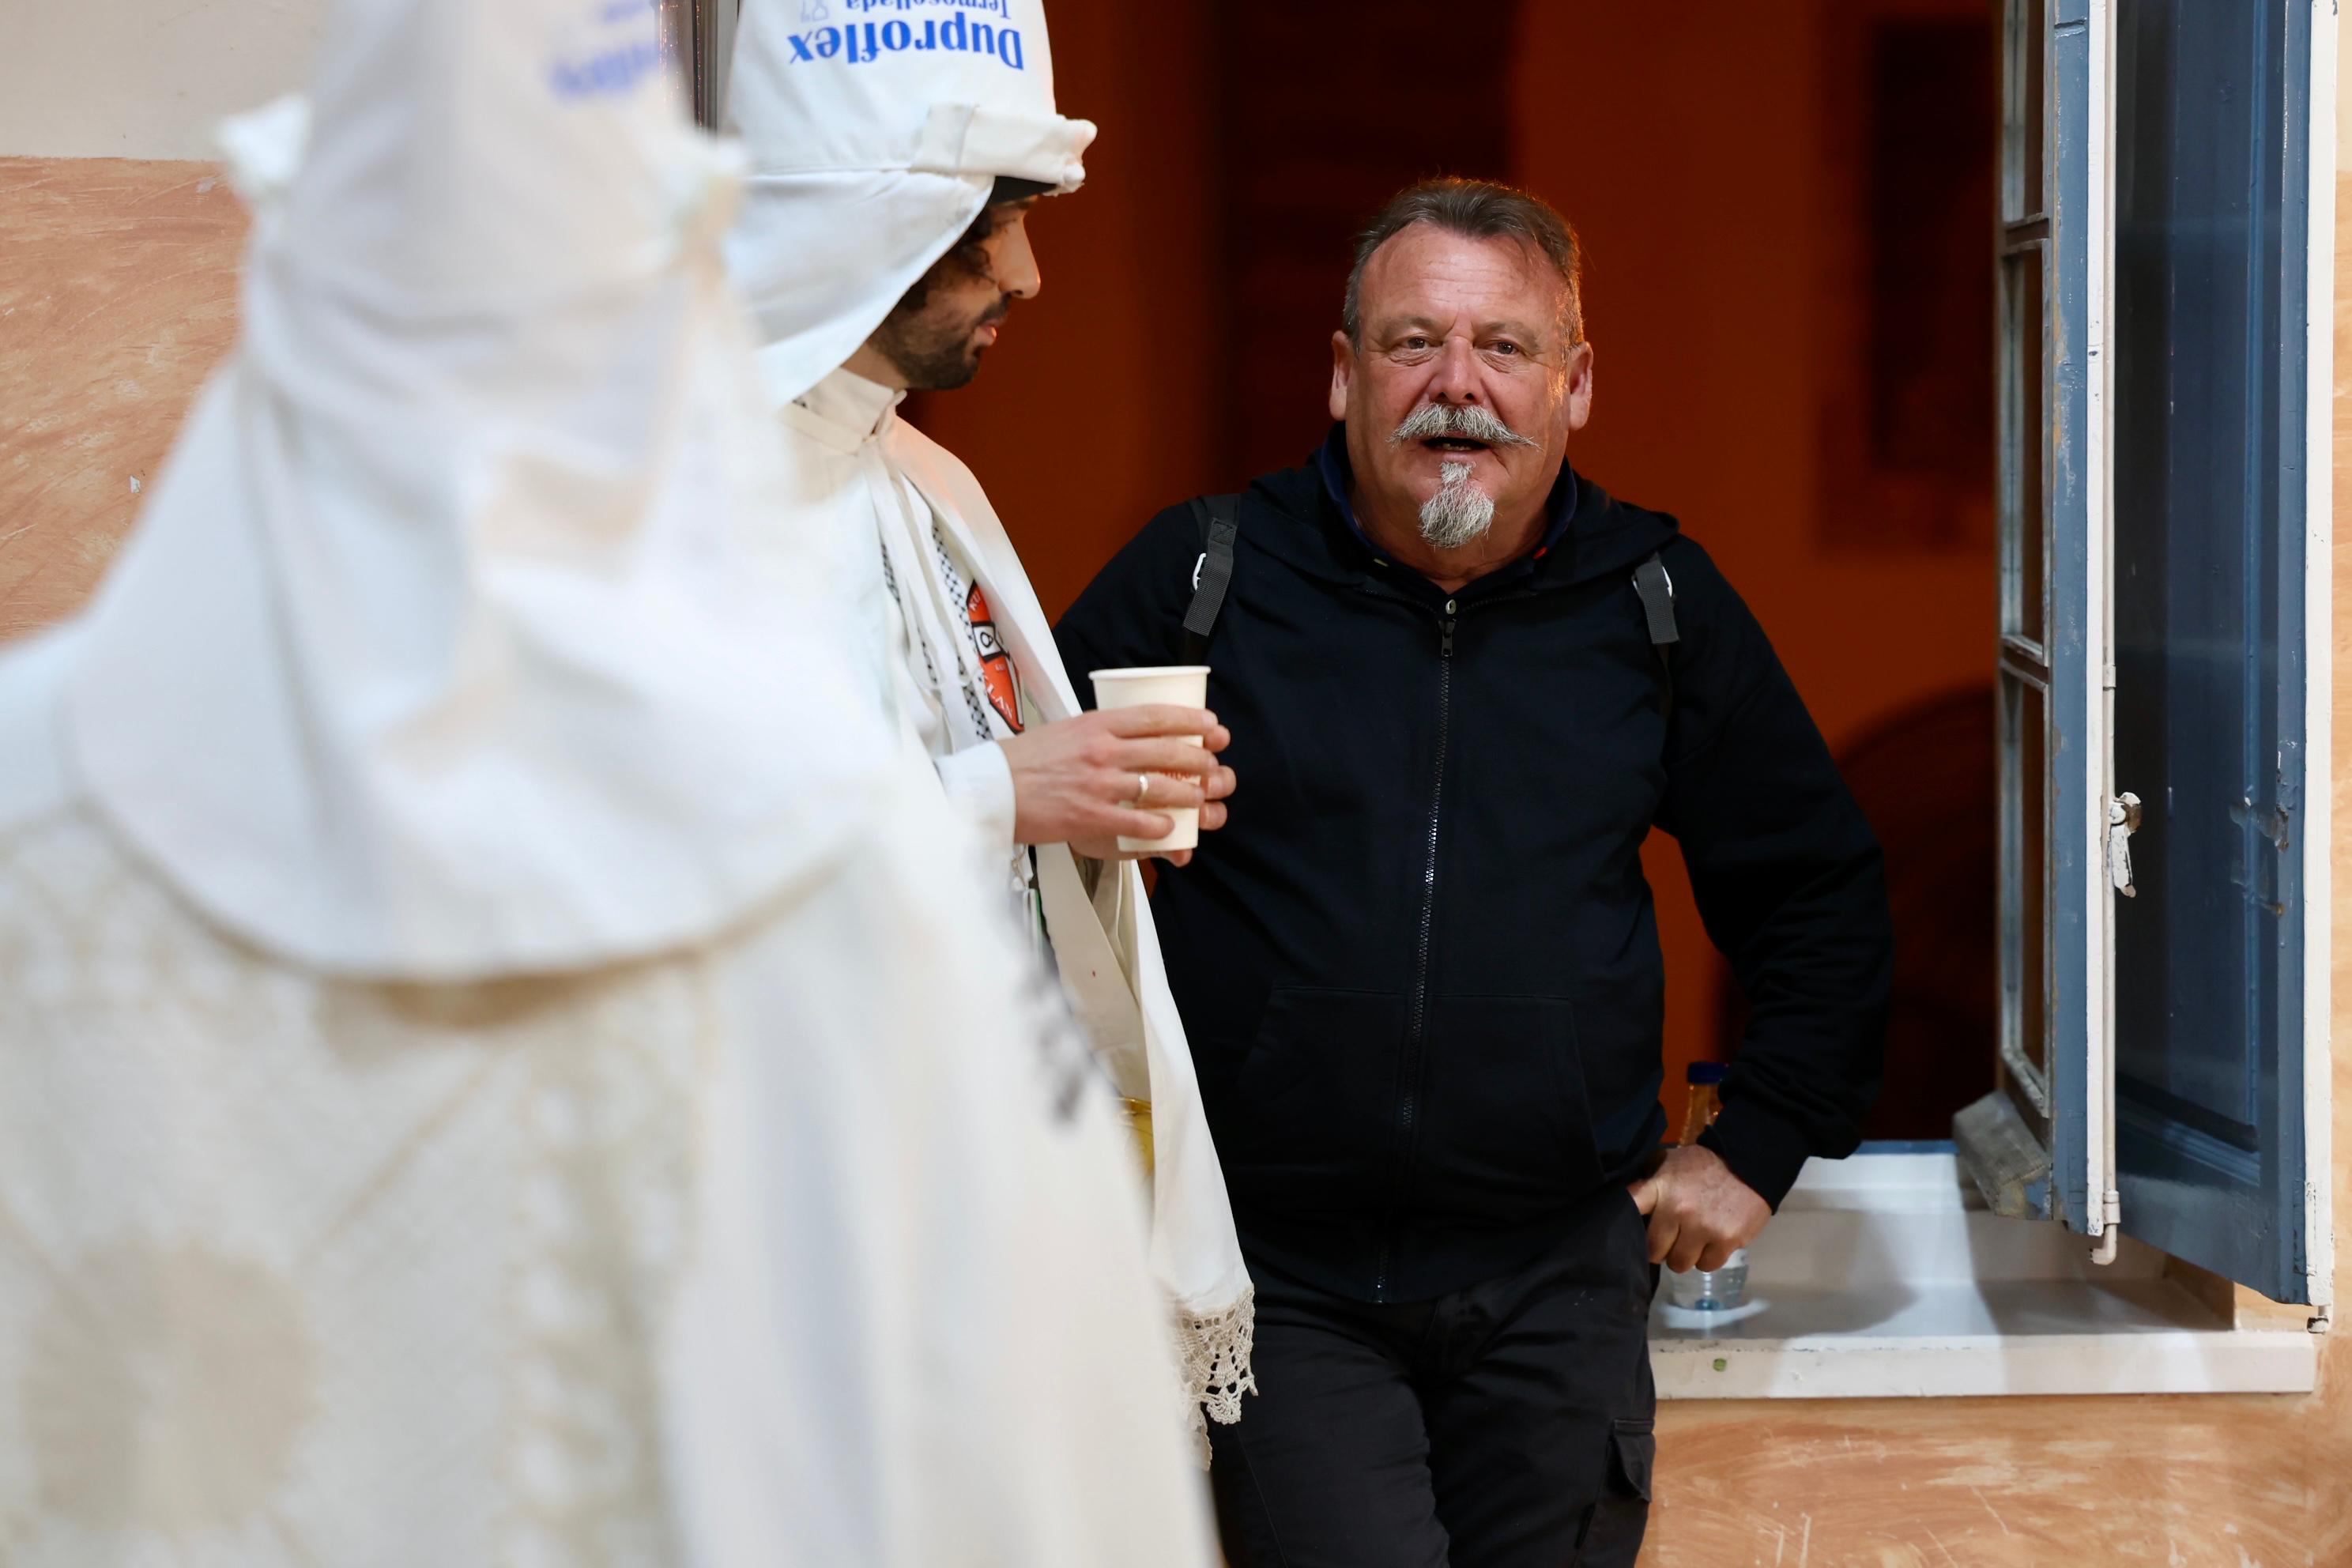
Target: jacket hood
(873,145)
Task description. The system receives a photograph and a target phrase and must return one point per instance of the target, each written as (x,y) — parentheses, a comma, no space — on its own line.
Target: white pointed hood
(457,637)
(874,134)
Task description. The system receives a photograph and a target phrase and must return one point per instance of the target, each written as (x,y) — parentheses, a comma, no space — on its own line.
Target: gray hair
(1476,209)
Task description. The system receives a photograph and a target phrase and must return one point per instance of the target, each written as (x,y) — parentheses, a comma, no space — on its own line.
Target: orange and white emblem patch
(995,664)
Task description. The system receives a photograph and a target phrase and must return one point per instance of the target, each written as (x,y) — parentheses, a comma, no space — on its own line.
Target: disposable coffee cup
(1178,686)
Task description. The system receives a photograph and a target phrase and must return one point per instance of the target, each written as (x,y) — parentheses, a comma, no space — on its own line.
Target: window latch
(2123,821)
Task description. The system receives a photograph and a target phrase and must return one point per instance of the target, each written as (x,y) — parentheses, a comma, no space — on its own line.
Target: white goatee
(1459,513)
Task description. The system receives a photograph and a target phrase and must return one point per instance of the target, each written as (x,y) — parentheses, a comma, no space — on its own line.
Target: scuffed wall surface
(117,285)
(2209,1481)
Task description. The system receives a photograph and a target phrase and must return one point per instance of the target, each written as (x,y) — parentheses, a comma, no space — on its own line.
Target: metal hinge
(2123,821)
(2110,1228)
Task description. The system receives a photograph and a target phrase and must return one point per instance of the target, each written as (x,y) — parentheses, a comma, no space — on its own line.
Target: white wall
(143,78)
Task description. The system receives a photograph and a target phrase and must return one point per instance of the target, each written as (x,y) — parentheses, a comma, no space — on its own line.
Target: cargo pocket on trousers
(1611,1537)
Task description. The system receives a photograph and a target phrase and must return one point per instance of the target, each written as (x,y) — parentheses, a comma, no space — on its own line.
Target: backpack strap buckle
(1656,588)
(1213,574)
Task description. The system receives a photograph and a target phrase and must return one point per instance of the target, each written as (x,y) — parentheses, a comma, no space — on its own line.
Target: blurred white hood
(874,133)
(457,637)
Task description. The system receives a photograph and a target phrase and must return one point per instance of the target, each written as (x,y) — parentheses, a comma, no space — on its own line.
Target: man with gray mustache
(1419,969)
(1460,511)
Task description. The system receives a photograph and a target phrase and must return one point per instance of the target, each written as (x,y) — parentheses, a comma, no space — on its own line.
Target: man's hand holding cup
(1137,777)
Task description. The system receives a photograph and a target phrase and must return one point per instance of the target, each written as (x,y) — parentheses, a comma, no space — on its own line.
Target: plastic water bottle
(1710,1289)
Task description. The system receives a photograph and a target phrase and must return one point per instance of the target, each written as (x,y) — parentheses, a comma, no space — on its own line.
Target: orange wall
(1689,155)
(1683,143)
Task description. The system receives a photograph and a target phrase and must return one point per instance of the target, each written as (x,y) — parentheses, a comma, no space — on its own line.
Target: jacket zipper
(1417,1020)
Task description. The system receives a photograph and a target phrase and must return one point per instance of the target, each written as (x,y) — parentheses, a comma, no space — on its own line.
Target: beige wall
(118,256)
(144,78)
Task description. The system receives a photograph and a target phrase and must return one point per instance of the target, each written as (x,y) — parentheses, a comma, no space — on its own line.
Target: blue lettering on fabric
(861,43)
(984,7)
(609,65)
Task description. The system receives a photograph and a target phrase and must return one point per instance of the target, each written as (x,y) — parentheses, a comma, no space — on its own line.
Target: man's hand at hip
(1077,781)
(1700,1214)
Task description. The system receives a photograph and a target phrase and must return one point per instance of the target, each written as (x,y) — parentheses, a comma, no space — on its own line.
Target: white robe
(496,1065)
(854,464)
(806,1246)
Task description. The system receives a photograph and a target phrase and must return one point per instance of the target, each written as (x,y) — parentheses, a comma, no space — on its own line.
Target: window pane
(2025,888)
(2024,103)
(2025,440)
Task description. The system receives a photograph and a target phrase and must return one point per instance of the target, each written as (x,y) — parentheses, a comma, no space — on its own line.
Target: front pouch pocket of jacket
(1504,1123)
(1312,1110)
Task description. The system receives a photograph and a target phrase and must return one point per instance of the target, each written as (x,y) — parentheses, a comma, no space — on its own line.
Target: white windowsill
(1885,1277)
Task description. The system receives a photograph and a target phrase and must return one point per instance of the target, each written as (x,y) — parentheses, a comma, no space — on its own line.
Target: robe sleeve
(978,785)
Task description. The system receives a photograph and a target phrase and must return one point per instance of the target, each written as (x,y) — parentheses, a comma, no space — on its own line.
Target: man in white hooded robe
(881,246)
(476,1086)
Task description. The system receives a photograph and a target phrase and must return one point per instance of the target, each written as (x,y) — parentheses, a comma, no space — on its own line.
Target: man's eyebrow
(1485,329)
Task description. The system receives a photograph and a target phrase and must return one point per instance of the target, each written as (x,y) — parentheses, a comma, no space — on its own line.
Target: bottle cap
(1708,1072)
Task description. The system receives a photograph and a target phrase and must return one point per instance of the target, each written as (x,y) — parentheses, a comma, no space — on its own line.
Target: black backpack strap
(1657,592)
(1221,525)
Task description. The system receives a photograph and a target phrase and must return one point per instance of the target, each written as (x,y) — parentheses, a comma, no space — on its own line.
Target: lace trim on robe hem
(1213,1355)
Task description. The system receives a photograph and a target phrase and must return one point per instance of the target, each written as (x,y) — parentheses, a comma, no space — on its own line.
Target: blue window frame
(2163,252)
(2212,317)
(2053,651)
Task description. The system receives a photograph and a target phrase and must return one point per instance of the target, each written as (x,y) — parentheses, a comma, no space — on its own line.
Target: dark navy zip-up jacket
(1419,967)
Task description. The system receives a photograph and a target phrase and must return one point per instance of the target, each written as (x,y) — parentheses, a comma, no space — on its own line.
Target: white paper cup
(1178,686)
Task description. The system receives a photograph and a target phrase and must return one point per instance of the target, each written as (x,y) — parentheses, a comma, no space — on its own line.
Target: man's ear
(1343,372)
(1580,385)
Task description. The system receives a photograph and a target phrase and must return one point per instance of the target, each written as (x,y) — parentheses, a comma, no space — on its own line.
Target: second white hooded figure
(892,165)
(476,1085)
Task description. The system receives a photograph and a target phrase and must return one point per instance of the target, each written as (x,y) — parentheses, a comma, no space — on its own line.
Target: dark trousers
(1505,1426)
